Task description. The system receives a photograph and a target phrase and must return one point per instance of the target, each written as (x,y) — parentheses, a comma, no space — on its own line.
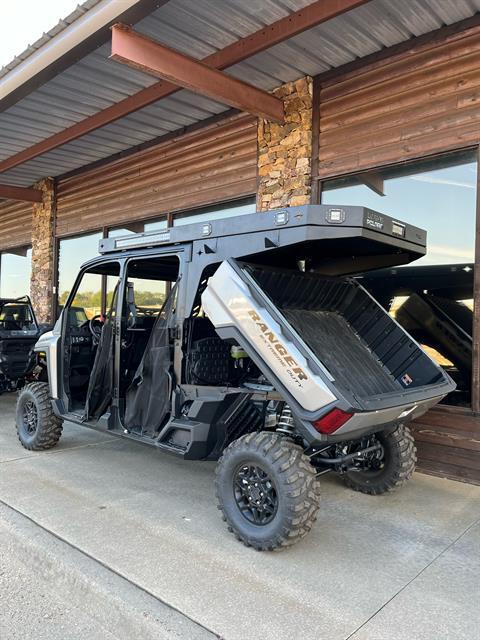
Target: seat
(10,324)
(208,359)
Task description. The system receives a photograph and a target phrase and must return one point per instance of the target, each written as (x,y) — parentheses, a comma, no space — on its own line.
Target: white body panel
(228,303)
(49,344)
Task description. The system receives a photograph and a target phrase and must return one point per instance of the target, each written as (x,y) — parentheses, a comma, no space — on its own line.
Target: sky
(22,22)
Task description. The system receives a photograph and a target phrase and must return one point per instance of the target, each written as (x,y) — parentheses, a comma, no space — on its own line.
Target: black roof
(333,239)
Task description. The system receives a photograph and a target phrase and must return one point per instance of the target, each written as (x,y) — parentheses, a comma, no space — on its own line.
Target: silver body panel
(229,303)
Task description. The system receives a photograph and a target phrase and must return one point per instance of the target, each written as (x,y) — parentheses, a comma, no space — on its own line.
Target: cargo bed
(365,351)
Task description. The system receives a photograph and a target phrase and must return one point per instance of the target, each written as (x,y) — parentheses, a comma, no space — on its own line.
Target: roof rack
(325,219)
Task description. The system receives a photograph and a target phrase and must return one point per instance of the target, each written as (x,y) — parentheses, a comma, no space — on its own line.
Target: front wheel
(388,469)
(267,491)
(38,427)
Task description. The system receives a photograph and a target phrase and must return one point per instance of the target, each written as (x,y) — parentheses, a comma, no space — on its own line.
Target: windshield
(16,316)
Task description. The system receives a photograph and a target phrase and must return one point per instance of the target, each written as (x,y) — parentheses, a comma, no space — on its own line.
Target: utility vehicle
(19,331)
(243,340)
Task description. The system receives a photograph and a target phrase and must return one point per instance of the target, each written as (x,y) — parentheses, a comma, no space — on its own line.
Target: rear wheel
(267,491)
(38,427)
(388,468)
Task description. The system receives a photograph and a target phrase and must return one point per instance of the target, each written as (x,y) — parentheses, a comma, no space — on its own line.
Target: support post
(43,233)
(285,151)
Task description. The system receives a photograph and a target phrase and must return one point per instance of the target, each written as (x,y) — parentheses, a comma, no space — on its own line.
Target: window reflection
(433,297)
(15,273)
(88,297)
(439,196)
(73,252)
(138,227)
(156,225)
(225,210)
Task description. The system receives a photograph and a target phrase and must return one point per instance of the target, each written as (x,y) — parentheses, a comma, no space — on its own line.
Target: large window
(138,227)
(225,210)
(15,272)
(433,297)
(73,252)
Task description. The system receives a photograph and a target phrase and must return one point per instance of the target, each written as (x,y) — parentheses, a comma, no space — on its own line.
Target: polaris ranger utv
(19,331)
(243,340)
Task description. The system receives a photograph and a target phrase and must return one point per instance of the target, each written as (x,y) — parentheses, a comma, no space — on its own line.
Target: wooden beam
(135,227)
(22,251)
(293,24)
(20,193)
(373,180)
(142,53)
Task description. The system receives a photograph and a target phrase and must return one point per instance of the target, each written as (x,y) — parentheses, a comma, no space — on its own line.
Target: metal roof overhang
(78,34)
(75,91)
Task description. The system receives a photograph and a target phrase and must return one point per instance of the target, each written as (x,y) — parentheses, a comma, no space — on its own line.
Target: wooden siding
(207,166)
(448,444)
(420,102)
(15,224)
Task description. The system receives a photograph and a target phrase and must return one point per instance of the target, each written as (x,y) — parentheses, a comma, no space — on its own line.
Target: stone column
(43,276)
(285,151)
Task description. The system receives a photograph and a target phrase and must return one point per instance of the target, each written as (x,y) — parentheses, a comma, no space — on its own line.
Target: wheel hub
(255,494)
(30,417)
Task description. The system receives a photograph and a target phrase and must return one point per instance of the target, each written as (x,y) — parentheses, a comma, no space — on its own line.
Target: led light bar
(141,241)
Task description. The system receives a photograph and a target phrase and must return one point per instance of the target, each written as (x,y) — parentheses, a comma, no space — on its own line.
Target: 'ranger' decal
(278,348)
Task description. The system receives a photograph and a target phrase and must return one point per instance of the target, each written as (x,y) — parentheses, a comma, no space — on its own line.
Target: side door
(88,326)
(146,340)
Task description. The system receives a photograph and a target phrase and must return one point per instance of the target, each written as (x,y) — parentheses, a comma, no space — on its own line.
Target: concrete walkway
(406,565)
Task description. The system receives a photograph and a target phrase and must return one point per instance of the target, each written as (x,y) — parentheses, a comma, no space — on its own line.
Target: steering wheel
(95,325)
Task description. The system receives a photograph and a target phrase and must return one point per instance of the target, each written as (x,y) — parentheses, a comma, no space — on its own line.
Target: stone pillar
(43,276)
(285,151)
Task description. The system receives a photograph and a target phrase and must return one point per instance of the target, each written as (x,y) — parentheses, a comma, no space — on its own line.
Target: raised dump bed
(365,352)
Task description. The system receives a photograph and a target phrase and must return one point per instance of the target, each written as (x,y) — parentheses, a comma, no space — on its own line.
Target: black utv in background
(437,310)
(245,341)
(19,332)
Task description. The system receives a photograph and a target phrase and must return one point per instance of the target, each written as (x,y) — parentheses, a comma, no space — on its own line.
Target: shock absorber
(286,422)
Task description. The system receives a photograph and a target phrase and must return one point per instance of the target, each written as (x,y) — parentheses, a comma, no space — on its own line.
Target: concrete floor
(405,565)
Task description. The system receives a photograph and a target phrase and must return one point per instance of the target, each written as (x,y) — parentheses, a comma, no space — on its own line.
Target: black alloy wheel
(255,494)
(30,417)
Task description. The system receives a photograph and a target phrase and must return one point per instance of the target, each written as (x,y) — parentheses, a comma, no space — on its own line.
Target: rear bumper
(361,424)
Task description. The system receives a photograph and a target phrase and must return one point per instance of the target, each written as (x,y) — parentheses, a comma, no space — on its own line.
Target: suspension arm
(348,457)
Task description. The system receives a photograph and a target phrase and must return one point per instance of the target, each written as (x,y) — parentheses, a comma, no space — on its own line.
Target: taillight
(332,421)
